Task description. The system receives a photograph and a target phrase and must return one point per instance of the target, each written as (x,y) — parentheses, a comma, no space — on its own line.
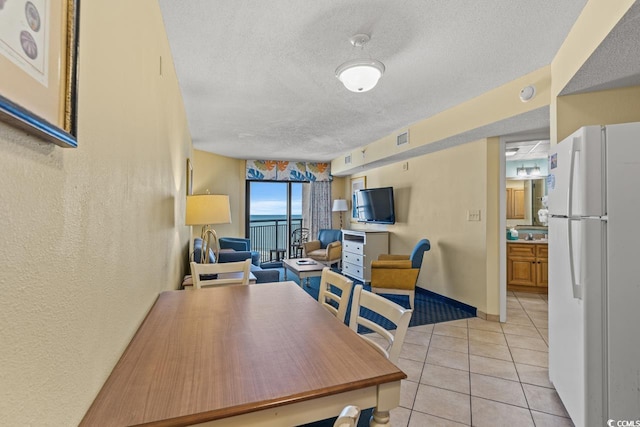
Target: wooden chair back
(397,314)
(242,268)
(326,295)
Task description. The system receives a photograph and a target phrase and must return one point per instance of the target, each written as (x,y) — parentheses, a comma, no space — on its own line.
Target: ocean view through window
(274,209)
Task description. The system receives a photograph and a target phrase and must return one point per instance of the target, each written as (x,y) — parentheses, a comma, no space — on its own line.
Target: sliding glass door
(274,210)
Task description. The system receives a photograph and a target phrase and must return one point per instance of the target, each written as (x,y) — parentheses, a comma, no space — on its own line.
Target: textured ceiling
(616,62)
(257,77)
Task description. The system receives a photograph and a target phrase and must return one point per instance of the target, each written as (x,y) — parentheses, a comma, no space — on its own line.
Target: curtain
(320,207)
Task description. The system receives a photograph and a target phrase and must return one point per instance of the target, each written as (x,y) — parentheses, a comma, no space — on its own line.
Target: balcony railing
(269,234)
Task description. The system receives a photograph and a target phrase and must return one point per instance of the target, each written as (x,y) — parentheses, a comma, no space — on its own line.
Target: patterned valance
(277,170)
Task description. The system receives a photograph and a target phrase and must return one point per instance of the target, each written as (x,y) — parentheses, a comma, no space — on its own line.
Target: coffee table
(303,268)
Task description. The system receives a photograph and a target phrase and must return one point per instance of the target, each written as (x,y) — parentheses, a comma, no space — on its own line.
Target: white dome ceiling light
(360,75)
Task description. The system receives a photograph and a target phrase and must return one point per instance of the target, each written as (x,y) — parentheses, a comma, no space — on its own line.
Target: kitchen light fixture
(360,75)
(528,171)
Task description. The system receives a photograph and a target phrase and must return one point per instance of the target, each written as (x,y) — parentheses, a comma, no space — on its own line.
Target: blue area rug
(429,308)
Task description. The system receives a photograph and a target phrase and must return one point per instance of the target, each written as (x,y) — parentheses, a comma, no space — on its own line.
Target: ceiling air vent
(402,139)
(347,159)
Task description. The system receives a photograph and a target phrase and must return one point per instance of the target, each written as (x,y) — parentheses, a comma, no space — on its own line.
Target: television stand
(359,248)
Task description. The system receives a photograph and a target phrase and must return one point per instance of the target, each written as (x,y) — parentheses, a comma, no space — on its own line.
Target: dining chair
(395,313)
(328,298)
(205,275)
(348,417)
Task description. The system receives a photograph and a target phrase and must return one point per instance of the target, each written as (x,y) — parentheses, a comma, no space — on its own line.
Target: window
(274,210)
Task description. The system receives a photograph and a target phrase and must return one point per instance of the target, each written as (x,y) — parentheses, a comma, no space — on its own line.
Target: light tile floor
(473,372)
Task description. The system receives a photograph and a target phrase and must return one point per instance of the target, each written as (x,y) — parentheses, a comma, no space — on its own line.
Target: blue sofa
(240,244)
(262,276)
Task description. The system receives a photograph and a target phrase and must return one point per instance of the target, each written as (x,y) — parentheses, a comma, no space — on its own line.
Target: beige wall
(597,108)
(221,175)
(91,235)
(432,198)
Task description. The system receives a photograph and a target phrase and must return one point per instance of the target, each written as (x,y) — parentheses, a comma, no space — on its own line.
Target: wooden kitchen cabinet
(515,203)
(527,267)
(542,262)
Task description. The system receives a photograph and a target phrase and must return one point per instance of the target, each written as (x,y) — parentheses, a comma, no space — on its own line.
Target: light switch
(473,215)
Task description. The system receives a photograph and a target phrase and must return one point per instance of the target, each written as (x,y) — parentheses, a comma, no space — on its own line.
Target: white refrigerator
(594,273)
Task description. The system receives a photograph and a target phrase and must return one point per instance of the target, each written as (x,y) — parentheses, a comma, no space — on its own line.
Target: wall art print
(38,57)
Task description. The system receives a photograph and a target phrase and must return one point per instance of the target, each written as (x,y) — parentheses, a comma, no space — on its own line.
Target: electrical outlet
(473,215)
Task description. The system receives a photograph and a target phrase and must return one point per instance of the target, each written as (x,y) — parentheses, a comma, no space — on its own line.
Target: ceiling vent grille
(402,139)
(347,159)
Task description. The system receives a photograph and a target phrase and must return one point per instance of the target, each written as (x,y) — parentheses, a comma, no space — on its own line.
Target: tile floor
(473,372)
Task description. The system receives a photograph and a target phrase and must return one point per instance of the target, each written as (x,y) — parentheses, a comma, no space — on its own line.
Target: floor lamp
(340,205)
(205,210)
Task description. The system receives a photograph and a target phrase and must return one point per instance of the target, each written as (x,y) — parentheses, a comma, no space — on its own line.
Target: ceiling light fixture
(360,75)
(528,171)
(510,152)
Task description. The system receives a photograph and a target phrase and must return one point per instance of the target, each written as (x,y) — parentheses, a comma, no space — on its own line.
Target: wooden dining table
(255,355)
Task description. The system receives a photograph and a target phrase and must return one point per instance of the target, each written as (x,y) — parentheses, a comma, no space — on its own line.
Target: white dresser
(359,248)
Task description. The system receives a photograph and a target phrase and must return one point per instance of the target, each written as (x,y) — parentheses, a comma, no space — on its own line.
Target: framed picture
(189,178)
(356,184)
(38,59)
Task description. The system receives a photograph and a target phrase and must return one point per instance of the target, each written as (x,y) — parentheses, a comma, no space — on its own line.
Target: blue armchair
(240,244)
(398,274)
(327,249)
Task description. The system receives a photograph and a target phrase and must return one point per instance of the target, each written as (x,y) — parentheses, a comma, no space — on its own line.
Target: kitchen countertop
(528,241)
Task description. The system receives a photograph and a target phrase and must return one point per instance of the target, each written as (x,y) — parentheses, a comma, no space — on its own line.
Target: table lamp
(207,209)
(340,205)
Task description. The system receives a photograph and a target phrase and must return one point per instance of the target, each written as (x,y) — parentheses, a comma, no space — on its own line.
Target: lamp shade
(340,205)
(204,209)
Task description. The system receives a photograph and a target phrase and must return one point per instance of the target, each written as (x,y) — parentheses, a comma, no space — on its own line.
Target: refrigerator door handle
(575,148)
(576,287)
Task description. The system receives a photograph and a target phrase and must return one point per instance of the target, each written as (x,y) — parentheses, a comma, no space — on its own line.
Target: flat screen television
(375,205)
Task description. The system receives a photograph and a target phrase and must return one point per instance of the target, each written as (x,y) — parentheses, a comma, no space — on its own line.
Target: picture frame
(38,62)
(356,184)
(189,177)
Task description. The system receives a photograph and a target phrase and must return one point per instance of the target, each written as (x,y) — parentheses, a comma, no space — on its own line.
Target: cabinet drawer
(355,247)
(353,270)
(353,258)
(542,251)
(522,250)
